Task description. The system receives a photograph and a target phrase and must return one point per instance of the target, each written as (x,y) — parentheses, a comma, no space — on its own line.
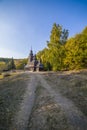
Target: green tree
(52,56)
(62,53)
(44,56)
(11,65)
(21,63)
(56,44)
(3,66)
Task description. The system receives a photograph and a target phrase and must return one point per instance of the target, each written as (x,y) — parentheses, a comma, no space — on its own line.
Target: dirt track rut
(74,116)
(22,116)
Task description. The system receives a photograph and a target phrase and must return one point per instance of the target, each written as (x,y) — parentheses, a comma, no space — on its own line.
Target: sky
(28,23)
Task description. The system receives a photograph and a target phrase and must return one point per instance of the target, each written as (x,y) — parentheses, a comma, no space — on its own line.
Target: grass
(6,74)
(73,85)
(1,76)
(12,89)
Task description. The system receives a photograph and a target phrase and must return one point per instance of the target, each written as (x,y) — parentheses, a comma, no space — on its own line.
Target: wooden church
(33,64)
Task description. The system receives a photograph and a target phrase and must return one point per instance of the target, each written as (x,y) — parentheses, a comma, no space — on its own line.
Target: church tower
(33,64)
(31,56)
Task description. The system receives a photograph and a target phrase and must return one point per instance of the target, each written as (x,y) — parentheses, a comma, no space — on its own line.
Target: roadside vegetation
(12,89)
(7,64)
(63,53)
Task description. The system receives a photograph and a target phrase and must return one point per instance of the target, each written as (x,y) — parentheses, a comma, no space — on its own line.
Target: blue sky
(26,23)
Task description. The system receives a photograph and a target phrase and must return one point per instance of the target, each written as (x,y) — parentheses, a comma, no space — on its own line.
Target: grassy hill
(19,63)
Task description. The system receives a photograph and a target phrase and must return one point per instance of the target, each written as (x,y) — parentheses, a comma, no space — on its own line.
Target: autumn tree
(76,51)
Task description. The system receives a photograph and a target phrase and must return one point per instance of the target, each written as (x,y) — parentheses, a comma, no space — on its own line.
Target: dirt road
(21,118)
(35,107)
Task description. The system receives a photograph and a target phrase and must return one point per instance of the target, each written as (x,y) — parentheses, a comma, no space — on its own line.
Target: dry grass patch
(11,93)
(1,76)
(72,85)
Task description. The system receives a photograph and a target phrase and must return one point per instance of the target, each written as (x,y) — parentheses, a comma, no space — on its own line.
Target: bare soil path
(21,118)
(74,116)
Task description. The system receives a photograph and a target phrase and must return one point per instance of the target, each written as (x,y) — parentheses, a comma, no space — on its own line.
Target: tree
(62,53)
(21,63)
(84,31)
(44,56)
(76,51)
(11,65)
(58,38)
(3,66)
(52,56)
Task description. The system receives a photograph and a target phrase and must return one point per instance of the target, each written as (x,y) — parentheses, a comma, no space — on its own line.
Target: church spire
(31,55)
